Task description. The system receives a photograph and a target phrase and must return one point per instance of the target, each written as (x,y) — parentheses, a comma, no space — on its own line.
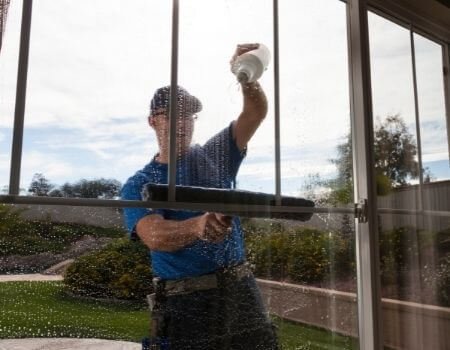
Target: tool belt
(189,285)
(209,281)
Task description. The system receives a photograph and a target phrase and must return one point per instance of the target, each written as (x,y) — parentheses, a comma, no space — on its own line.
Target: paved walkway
(58,343)
(66,344)
(30,277)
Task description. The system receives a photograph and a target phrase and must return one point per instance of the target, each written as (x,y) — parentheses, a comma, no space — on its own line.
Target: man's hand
(214,227)
(241,49)
(255,106)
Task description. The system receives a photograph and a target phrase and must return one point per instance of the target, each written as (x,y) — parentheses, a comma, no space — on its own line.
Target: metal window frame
(403,15)
(419,202)
(21,90)
(173,108)
(367,258)
(446,77)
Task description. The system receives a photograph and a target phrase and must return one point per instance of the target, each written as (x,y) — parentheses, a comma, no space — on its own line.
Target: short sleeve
(222,148)
(132,191)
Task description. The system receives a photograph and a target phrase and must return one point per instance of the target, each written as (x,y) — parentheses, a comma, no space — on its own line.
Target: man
(209,297)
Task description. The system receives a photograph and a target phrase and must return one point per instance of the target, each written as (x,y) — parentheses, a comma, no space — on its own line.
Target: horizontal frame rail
(217,207)
(118,203)
(441,213)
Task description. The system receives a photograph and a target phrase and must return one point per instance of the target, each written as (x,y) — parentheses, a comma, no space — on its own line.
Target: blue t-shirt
(212,165)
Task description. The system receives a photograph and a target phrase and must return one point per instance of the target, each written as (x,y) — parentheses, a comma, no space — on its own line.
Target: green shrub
(443,282)
(269,255)
(309,256)
(299,254)
(121,270)
(443,242)
(9,217)
(406,248)
(316,254)
(21,237)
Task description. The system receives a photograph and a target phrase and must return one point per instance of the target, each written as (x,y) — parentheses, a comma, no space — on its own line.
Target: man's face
(184,130)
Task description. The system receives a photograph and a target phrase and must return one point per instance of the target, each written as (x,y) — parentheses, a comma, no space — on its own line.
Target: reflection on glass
(396,152)
(433,124)
(414,250)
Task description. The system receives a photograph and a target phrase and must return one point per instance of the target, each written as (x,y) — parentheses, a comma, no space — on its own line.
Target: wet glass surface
(93,71)
(305,273)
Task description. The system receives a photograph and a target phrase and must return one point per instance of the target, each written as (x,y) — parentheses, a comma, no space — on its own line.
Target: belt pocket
(151,300)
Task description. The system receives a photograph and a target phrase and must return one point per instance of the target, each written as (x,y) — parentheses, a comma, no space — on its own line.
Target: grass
(41,309)
(294,336)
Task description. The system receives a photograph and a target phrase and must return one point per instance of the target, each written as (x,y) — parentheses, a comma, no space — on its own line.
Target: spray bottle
(250,66)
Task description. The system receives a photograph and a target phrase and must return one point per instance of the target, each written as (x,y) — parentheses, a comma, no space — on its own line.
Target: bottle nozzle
(242,77)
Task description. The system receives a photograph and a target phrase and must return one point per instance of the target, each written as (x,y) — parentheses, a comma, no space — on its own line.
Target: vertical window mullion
(446,76)
(276,71)
(417,118)
(173,108)
(21,89)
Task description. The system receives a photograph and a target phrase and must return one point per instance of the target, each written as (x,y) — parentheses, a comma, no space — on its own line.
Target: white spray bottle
(251,65)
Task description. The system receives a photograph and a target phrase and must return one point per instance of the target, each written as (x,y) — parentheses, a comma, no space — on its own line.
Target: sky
(94,67)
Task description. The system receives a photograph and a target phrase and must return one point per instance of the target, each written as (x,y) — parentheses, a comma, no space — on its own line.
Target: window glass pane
(8,79)
(396,151)
(433,125)
(92,71)
(209,34)
(414,255)
(315,118)
(205,72)
(305,274)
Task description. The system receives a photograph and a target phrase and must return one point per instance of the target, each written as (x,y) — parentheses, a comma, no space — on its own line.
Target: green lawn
(41,309)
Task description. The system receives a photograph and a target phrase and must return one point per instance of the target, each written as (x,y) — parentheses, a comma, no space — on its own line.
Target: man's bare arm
(160,234)
(254,105)
(253,113)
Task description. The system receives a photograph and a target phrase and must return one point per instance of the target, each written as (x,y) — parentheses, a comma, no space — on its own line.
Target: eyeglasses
(193,116)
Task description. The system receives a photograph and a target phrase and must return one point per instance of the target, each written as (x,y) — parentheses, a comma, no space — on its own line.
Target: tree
(40,186)
(65,190)
(97,188)
(394,160)
(395,152)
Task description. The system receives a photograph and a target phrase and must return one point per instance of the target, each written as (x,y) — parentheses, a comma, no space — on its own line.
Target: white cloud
(37,162)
